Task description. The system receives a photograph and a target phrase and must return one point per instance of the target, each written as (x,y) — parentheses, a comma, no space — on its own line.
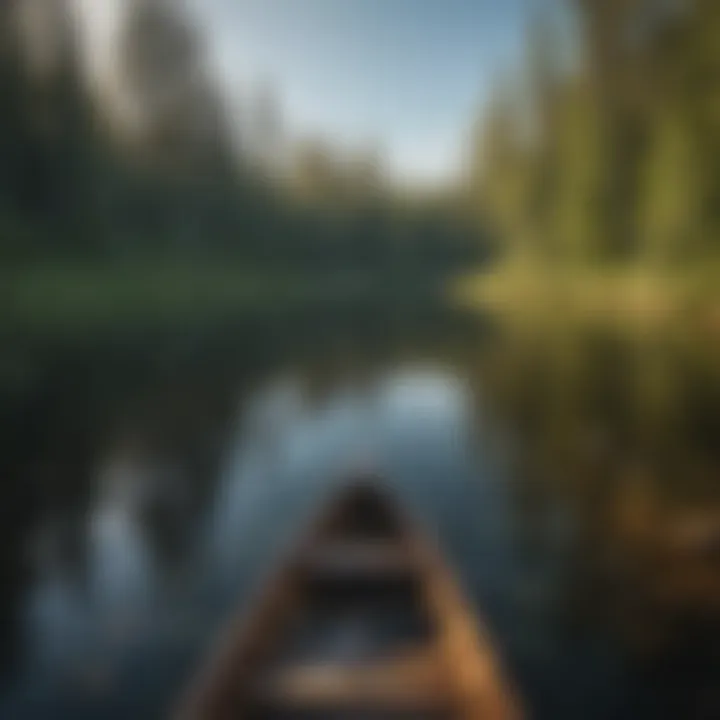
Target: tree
(14,139)
(578,205)
(179,118)
(47,136)
(501,176)
(615,43)
(670,208)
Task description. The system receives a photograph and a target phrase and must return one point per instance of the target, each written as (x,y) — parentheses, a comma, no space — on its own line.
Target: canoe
(362,620)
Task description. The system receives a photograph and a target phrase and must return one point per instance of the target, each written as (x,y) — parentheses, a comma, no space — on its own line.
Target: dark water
(151,478)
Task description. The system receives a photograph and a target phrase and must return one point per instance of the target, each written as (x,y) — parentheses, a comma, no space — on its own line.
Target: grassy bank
(624,296)
(87,295)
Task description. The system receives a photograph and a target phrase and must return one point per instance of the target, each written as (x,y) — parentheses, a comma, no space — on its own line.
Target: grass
(86,295)
(76,295)
(630,296)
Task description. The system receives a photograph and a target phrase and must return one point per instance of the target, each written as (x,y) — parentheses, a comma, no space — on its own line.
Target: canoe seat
(413,682)
(359,558)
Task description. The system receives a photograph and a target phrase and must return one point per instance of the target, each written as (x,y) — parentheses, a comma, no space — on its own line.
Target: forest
(600,157)
(129,200)
(598,152)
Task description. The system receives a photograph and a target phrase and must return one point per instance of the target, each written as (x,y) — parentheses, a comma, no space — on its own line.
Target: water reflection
(574,494)
(291,445)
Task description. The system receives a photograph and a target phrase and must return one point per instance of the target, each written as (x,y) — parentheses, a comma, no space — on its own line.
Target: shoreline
(633,296)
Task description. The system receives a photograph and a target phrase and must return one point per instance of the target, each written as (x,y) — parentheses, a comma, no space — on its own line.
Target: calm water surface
(152,480)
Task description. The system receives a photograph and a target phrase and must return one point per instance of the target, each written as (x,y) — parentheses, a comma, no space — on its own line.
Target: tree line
(608,147)
(166,172)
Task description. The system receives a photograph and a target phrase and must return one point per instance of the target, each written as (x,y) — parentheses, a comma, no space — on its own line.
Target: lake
(151,479)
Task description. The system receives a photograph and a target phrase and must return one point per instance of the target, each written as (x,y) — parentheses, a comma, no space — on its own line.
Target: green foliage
(624,163)
(575,205)
(503,178)
(671,208)
(177,183)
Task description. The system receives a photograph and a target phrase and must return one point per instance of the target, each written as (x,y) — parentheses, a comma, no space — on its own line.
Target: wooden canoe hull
(362,551)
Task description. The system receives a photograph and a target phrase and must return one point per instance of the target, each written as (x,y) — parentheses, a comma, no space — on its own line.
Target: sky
(407,75)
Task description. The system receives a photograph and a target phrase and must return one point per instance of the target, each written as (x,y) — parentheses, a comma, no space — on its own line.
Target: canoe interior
(362,621)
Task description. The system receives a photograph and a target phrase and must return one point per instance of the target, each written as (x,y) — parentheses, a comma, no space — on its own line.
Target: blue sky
(410,74)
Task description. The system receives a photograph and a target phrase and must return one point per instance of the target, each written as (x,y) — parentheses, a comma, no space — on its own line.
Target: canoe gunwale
(477,688)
